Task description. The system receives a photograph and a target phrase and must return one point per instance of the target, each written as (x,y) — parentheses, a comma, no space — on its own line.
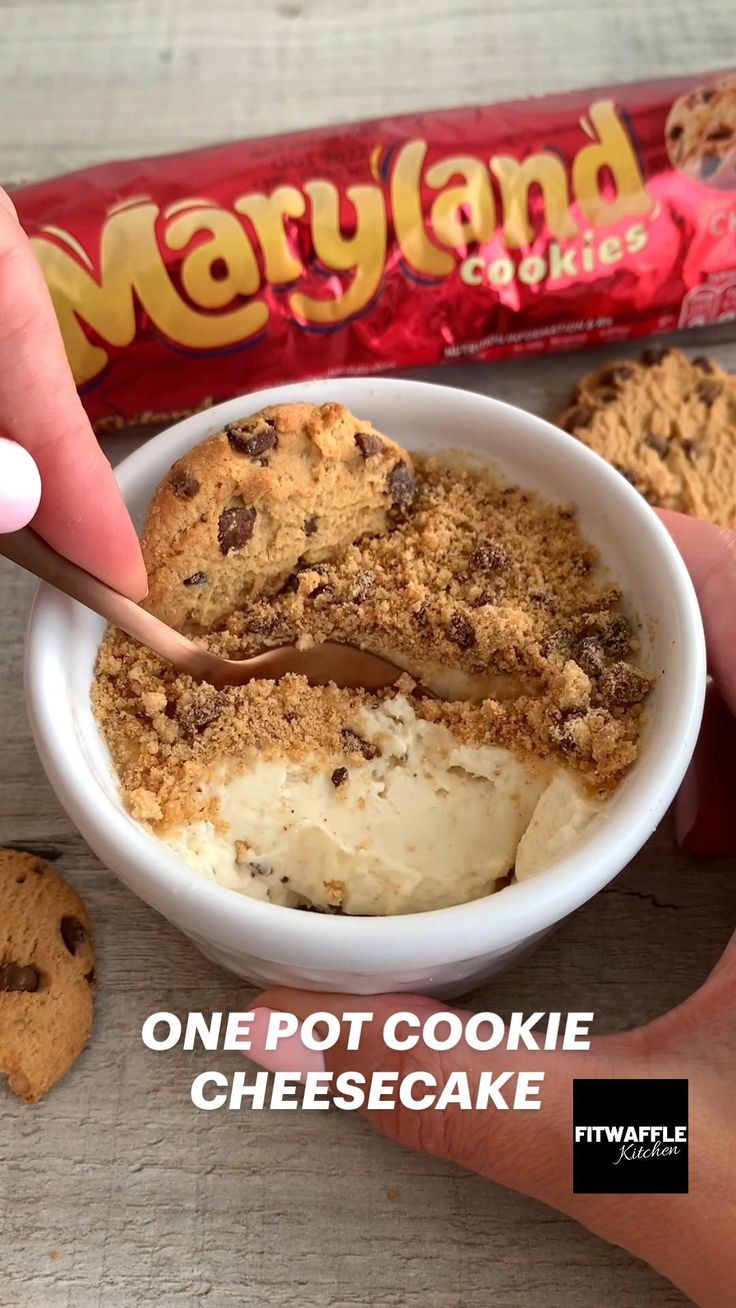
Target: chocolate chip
(709,391)
(419,615)
(490,556)
(558,642)
(690,449)
(462,631)
(578,419)
(616,636)
(310,526)
(196,717)
(196,579)
(627,473)
(621,686)
(90,977)
(235,528)
(588,655)
(284,881)
(369,444)
(252,443)
(262,624)
(707,94)
(339,777)
(617,373)
(73,933)
(703,364)
(19,978)
(291,585)
(721,132)
(259,870)
(654,354)
(183,485)
(362,587)
(656,443)
(676,131)
(709,165)
(352,743)
(402,486)
(568,737)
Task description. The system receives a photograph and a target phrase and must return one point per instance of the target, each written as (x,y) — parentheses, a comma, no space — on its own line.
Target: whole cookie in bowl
(701,134)
(668,424)
(47,975)
(280,490)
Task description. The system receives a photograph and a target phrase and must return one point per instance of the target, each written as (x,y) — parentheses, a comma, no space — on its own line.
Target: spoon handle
(29,551)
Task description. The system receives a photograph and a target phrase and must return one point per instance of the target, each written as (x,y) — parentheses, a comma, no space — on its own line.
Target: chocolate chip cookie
(47,975)
(668,424)
(272,493)
(701,134)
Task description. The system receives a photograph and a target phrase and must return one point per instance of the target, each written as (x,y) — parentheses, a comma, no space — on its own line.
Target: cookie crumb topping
(482,578)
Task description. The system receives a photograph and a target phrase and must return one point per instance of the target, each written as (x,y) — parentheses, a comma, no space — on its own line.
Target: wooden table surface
(115,1190)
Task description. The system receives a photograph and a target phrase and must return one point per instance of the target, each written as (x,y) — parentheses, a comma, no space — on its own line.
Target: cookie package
(482,233)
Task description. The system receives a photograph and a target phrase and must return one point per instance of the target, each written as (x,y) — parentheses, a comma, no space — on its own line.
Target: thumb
(20,486)
(524,1150)
(528,1151)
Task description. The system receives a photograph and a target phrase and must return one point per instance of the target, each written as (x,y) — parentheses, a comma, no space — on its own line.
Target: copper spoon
(345,665)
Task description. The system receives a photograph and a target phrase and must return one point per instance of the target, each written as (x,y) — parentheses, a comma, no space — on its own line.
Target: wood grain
(86,80)
(116,1191)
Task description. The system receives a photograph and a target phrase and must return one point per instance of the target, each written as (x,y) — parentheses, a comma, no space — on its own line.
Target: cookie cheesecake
(517,716)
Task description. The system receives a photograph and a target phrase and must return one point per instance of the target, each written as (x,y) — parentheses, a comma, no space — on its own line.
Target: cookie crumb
(537,611)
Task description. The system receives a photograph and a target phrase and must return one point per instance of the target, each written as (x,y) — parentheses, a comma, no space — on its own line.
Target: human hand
(705,820)
(688,1238)
(52,469)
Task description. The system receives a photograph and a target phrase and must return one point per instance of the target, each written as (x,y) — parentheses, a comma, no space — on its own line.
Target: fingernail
(20,486)
(290,1054)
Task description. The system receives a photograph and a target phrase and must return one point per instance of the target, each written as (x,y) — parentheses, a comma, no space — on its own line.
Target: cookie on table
(668,424)
(285,487)
(47,975)
(701,134)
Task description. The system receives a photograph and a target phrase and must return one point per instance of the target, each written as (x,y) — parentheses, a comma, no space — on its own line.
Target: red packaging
(515,229)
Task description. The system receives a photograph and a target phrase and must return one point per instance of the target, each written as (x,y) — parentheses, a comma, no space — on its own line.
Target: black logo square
(630,1137)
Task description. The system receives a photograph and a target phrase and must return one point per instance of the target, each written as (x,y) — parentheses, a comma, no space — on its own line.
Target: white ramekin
(451,949)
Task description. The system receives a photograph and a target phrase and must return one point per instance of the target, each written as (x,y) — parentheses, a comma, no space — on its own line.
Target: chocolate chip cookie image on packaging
(47,975)
(701,134)
(668,424)
(243,511)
